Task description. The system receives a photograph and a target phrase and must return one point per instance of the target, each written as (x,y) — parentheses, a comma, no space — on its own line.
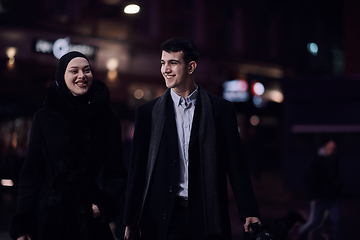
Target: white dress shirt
(184,113)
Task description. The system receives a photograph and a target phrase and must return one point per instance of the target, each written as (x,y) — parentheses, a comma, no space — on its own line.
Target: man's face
(174,69)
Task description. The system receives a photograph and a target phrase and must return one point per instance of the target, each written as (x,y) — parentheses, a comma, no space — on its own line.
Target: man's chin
(169,85)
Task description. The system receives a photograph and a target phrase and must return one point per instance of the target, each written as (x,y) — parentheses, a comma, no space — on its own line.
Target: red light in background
(257,88)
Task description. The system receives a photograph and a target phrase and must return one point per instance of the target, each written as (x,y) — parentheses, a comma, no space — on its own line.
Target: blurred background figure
(324,187)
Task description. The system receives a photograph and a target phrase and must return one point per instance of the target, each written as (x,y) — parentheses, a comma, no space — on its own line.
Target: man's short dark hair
(181,44)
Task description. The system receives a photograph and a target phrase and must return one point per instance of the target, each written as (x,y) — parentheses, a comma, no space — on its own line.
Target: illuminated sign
(62,46)
(236,90)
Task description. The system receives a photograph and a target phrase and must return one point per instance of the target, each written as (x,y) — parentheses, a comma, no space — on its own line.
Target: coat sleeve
(137,168)
(31,177)
(237,169)
(114,176)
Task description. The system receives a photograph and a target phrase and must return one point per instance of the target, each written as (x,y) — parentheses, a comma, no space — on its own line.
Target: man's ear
(191,67)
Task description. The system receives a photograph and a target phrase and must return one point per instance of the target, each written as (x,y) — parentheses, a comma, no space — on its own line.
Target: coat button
(164,216)
(171,189)
(174,163)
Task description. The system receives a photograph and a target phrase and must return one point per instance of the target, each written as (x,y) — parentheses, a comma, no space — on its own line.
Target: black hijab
(78,101)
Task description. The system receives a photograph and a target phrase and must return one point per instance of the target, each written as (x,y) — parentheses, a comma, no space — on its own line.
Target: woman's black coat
(69,148)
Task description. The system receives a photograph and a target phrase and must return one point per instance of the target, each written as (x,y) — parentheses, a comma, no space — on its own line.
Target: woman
(74,140)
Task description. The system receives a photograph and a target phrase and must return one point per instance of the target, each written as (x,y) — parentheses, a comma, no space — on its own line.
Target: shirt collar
(190,99)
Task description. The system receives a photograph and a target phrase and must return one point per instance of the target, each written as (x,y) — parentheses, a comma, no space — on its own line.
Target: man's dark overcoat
(59,182)
(153,181)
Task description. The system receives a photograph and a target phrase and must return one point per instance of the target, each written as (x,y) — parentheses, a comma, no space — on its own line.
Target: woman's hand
(24,237)
(96,211)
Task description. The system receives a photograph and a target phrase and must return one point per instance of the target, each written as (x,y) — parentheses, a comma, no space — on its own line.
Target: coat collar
(56,101)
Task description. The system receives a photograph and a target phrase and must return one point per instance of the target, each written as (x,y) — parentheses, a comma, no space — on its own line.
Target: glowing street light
(111,65)
(131,9)
(10,52)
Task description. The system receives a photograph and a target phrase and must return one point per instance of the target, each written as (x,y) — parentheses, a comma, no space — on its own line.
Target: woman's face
(78,76)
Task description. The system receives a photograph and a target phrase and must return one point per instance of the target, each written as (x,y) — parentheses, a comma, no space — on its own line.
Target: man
(324,186)
(185,145)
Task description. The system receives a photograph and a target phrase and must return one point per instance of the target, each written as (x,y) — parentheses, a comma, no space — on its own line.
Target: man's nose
(167,68)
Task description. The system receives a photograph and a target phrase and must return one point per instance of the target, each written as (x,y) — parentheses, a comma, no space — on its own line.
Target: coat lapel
(196,121)
(208,166)
(170,128)
(158,117)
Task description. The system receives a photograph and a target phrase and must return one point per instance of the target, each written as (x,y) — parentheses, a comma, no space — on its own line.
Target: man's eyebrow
(171,60)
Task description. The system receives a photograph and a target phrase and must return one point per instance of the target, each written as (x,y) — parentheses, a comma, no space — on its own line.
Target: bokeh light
(254,120)
(313,48)
(138,94)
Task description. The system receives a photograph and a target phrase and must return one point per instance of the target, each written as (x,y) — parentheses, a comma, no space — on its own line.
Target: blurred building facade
(235,39)
(270,42)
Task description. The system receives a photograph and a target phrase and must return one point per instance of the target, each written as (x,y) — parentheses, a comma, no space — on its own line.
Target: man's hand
(96,211)
(251,220)
(127,235)
(24,237)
